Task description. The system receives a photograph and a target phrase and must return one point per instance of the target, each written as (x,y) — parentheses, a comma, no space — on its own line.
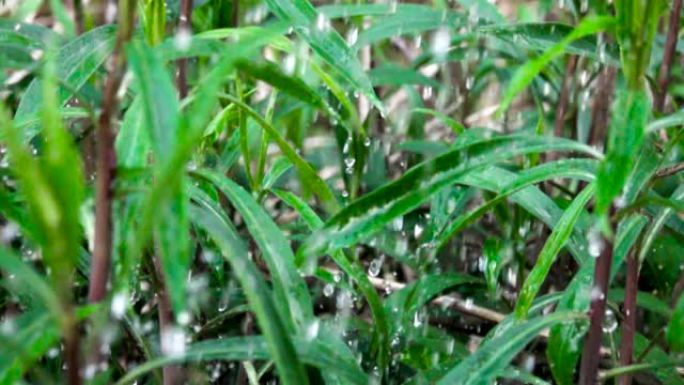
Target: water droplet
(367,141)
(584,78)
(609,322)
(470,81)
(417,320)
(398,223)
(352,36)
(328,290)
(418,230)
(311,331)
(584,6)
(182,39)
(427,92)
(183,318)
(595,242)
(172,341)
(441,40)
(118,307)
(290,64)
(350,161)
(595,293)
(375,266)
(322,23)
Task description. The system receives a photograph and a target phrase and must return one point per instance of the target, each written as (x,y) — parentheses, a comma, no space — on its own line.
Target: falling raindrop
(398,223)
(182,39)
(118,307)
(312,330)
(417,230)
(352,35)
(427,92)
(322,23)
(393,6)
(595,242)
(441,40)
(469,82)
(172,341)
(595,293)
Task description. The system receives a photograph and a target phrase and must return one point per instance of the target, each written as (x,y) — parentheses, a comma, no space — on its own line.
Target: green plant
(233,192)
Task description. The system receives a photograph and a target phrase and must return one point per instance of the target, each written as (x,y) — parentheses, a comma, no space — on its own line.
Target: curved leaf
(490,360)
(279,345)
(291,292)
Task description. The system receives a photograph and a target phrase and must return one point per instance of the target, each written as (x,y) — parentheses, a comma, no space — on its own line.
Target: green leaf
(372,212)
(279,345)
(161,119)
(394,75)
(455,126)
(172,235)
(409,19)
(76,61)
(154,21)
(675,328)
(280,166)
(487,363)
(133,141)
(403,304)
(627,127)
(293,300)
(483,9)
(291,85)
(544,36)
(314,28)
(657,225)
(250,348)
(355,271)
(169,172)
(569,168)
(554,243)
(525,74)
(35,334)
(30,280)
(306,172)
(645,300)
(160,107)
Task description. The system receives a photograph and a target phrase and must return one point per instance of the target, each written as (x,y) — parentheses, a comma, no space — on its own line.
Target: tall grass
(240,192)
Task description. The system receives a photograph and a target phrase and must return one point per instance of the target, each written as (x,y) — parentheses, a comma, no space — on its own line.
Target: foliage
(349,193)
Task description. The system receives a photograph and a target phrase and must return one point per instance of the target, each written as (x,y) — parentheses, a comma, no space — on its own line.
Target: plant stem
(78,16)
(71,347)
(592,343)
(172,374)
(629,323)
(184,26)
(564,97)
(600,110)
(106,158)
(668,56)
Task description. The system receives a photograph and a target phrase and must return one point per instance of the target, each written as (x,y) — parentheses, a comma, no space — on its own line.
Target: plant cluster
(245,192)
